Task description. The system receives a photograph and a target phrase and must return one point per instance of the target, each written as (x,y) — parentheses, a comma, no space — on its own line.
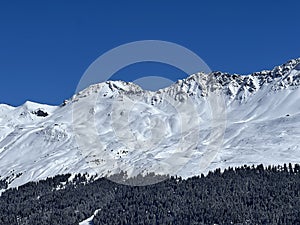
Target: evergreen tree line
(244,195)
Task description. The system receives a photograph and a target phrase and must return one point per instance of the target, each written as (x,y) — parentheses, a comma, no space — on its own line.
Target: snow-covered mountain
(204,122)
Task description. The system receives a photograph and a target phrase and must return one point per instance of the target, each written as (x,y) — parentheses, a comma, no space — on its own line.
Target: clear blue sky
(45,46)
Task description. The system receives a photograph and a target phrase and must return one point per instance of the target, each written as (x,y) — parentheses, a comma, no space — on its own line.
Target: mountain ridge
(232,83)
(264,77)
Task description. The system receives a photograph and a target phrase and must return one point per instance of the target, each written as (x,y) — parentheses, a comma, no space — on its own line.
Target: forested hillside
(245,195)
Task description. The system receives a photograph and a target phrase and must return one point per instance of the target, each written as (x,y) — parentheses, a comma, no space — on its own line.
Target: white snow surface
(115,126)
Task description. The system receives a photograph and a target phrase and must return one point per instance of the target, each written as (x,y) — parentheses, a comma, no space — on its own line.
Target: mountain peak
(200,84)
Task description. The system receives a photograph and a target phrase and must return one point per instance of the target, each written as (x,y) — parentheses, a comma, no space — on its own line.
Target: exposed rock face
(40,113)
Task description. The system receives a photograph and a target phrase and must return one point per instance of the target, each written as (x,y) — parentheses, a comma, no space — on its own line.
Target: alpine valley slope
(141,131)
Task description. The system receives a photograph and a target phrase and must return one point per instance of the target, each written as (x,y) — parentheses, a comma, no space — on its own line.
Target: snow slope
(198,124)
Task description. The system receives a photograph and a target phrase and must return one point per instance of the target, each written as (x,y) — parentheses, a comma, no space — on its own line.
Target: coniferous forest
(244,195)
